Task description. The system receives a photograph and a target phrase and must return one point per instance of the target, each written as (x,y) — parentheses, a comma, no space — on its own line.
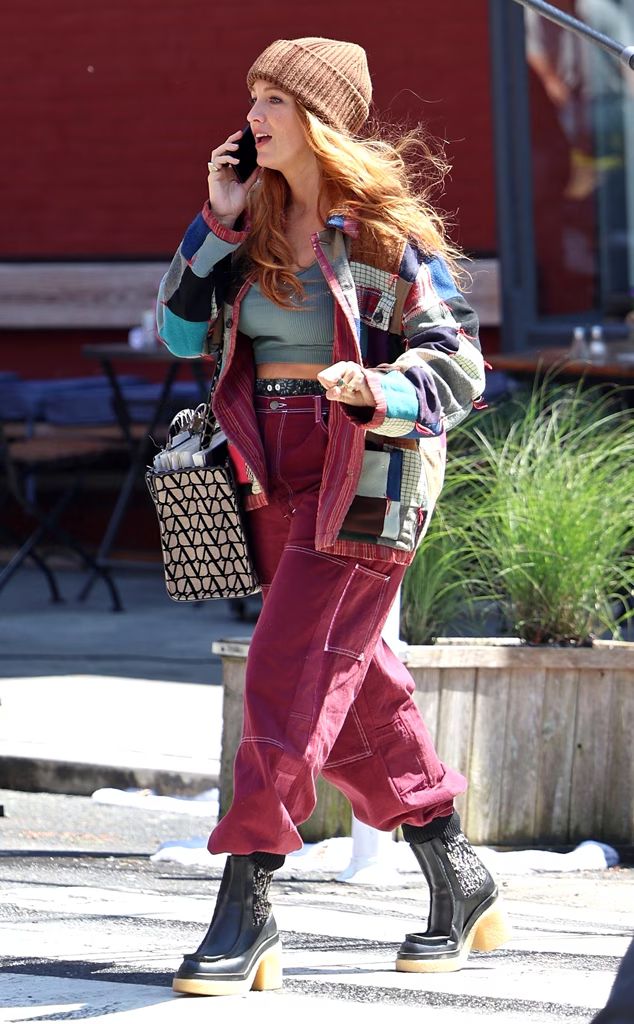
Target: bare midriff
(301,371)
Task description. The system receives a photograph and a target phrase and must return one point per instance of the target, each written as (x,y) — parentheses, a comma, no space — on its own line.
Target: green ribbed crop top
(289,336)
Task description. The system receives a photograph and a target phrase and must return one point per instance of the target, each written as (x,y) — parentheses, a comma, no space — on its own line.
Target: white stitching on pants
(318,554)
(278,446)
(359,654)
(348,760)
(278,461)
(262,739)
(355,713)
(354,757)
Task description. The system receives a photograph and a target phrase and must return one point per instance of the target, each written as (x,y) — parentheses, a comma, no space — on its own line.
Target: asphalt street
(90,927)
(154,638)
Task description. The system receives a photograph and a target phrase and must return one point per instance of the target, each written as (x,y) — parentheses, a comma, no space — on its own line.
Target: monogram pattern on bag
(204,547)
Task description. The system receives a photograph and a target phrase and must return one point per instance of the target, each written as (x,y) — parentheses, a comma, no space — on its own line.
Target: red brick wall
(108,112)
(110,109)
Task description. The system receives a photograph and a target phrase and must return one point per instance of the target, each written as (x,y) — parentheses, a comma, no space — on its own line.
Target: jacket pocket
(375,304)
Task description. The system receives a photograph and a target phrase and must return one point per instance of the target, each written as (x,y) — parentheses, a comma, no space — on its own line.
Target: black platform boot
(465,911)
(241,950)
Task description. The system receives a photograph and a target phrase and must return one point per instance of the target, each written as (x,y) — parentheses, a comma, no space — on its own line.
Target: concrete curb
(75,778)
(74,734)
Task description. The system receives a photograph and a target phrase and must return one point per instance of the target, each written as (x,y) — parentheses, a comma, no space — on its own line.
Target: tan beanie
(330,78)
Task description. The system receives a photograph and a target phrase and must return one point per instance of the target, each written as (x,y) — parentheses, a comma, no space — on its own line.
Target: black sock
(268,861)
(443,828)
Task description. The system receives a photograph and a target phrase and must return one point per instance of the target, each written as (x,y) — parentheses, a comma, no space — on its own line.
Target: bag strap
(209,420)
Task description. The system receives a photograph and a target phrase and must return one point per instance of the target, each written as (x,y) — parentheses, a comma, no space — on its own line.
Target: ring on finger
(213,167)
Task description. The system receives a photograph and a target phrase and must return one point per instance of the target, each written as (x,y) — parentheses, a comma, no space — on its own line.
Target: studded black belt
(287,386)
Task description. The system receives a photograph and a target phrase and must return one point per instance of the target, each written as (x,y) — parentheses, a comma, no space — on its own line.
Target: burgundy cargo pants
(324,693)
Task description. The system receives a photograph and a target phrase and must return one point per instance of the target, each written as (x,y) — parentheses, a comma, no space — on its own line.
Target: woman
(347,354)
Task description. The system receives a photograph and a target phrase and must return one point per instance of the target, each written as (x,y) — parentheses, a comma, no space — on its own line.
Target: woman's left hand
(346,382)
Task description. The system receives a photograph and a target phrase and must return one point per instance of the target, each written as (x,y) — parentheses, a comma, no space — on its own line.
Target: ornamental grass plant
(537,521)
(437,585)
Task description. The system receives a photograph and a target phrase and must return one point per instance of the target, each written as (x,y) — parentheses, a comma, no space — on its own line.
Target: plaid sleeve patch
(399,428)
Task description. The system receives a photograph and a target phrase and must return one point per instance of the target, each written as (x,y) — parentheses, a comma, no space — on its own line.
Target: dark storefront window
(581,102)
(564,167)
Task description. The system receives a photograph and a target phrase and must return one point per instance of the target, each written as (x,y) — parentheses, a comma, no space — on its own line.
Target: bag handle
(209,421)
(222,276)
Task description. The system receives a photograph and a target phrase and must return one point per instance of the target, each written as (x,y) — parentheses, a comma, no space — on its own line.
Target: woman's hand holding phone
(227,194)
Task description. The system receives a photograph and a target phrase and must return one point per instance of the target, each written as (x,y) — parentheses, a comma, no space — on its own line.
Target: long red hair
(385,185)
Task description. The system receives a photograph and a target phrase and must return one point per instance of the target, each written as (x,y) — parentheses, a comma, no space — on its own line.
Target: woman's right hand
(228,195)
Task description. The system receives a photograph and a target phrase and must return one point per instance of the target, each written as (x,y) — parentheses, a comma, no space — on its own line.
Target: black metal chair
(26,457)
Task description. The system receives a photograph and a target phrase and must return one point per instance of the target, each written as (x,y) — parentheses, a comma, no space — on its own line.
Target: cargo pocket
(351,743)
(357,617)
(402,756)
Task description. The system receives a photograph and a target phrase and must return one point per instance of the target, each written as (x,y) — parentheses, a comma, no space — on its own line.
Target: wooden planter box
(544,736)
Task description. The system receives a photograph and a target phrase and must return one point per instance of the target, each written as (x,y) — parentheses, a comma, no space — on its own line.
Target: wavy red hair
(385,185)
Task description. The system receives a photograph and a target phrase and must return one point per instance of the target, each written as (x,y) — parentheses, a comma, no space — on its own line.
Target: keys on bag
(188,443)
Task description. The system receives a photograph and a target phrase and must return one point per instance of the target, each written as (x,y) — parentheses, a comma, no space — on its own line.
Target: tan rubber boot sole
(489,932)
(265,974)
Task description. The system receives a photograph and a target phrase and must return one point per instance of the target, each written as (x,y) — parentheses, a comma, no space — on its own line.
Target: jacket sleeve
(186,306)
(439,376)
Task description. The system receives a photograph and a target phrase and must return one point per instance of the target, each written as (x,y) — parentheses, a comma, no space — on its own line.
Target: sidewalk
(91,697)
(154,638)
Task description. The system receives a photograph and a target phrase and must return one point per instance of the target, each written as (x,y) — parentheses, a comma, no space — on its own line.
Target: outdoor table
(557,360)
(109,354)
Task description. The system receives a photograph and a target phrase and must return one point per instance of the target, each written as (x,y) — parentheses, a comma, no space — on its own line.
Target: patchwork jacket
(397,312)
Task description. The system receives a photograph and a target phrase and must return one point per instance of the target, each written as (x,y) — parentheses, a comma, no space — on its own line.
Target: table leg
(137,461)
(119,403)
(39,562)
(48,522)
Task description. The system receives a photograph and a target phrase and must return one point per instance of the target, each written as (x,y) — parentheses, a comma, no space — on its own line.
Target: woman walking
(347,354)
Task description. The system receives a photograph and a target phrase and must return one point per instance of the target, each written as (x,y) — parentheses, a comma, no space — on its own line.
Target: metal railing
(624,53)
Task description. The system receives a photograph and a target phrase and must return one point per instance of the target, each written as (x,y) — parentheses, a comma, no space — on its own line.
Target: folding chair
(25,460)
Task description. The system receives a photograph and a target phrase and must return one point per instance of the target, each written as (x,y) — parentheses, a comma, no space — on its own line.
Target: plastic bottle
(144,336)
(598,349)
(136,338)
(578,346)
(148,323)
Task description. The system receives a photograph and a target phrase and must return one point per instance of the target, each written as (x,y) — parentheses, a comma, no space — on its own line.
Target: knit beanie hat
(329,77)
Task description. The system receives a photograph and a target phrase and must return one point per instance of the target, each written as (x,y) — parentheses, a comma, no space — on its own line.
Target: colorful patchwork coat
(398,313)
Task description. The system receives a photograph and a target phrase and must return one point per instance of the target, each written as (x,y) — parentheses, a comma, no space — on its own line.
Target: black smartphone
(247,154)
